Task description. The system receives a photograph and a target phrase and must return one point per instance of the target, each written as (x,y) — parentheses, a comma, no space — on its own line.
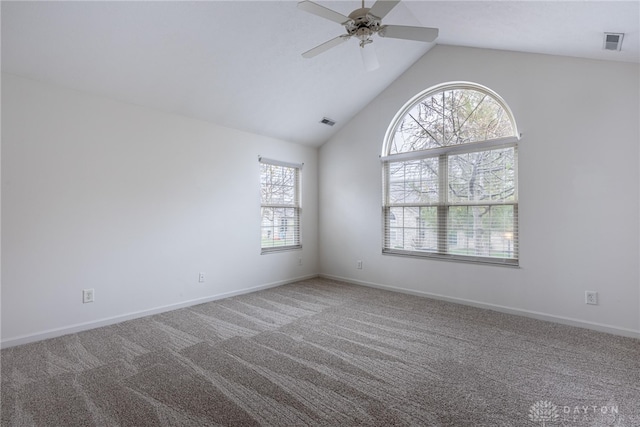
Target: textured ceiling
(238,63)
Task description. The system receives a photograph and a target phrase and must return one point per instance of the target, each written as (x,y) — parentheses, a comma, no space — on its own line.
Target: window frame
(296,205)
(444,204)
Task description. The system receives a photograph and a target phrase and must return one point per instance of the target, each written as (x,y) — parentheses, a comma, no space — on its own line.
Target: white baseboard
(52,333)
(79,327)
(495,307)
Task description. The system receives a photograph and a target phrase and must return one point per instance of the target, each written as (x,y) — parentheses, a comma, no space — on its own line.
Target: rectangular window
(279,205)
(453,204)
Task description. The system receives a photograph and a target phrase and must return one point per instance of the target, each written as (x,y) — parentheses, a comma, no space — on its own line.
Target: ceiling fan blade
(421,34)
(369,57)
(382,7)
(323,12)
(326,46)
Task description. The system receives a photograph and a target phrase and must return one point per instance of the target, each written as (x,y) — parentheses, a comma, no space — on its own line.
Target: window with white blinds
(450,177)
(279,205)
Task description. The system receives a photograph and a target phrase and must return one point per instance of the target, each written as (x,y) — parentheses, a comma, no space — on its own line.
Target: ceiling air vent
(328,122)
(613,41)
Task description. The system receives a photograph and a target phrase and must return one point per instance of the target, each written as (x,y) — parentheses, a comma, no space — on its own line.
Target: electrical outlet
(201,278)
(359,264)
(299,261)
(591,297)
(87,295)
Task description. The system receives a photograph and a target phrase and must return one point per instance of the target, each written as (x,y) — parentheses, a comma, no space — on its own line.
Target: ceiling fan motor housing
(362,25)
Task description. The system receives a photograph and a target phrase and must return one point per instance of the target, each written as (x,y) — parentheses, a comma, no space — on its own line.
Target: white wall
(578,159)
(133,203)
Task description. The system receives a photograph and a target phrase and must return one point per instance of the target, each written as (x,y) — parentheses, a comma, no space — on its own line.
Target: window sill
(513,263)
(265,251)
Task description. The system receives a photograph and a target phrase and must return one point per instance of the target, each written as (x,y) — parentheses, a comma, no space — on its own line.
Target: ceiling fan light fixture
(364,42)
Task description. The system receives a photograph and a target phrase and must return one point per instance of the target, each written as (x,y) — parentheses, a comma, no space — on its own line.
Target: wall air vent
(328,122)
(613,41)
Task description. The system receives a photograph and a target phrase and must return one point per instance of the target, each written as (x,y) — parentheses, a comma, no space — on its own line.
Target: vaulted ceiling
(239,64)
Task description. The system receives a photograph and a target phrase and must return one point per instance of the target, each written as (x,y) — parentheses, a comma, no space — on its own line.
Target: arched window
(451,178)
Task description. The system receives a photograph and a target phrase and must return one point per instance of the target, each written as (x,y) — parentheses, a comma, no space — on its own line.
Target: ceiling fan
(363,23)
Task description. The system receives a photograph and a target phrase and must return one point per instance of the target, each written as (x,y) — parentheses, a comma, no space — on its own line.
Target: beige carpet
(325,353)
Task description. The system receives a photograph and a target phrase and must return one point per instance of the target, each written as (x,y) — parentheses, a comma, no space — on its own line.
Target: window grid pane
(482,231)
(451,117)
(482,176)
(279,227)
(413,228)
